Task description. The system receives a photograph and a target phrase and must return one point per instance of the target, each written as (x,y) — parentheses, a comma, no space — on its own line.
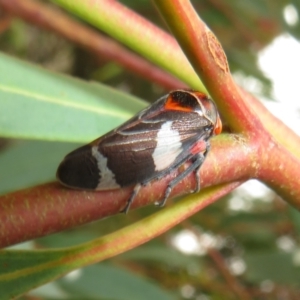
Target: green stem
(137,33)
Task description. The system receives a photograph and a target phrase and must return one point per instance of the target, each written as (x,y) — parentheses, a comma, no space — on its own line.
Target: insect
(172,131)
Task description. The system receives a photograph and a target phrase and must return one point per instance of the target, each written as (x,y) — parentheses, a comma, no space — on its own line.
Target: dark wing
(151,145)
(146,147)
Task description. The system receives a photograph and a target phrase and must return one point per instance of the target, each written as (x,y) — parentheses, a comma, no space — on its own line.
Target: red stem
(209,60)
(50,208)
(271,162)
(232,282)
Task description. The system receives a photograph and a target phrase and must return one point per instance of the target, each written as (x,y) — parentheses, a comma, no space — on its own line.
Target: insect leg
(131,199)
(197,161)
(197,170)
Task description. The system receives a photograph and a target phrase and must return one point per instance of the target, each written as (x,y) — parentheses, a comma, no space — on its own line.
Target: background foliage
(247,253)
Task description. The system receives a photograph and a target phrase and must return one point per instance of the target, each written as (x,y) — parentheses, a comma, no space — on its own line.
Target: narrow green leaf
(106,281)
(39,104)
(136,33)
(24,270)
(162,255)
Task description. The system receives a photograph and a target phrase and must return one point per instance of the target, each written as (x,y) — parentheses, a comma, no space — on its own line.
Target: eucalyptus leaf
(107,281)
(39,104)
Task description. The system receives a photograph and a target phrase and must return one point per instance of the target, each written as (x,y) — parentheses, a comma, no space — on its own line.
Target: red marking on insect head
(173,104)
(200,95)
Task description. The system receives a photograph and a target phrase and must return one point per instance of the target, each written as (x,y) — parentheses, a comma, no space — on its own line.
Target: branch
(281,133)
(230,279)
(209,60)
(50,208)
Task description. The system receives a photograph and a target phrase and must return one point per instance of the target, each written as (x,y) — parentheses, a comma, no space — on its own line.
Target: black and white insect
(172,131)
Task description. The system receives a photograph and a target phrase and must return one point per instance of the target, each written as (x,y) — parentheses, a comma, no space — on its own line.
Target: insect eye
(211,111)
(208,113)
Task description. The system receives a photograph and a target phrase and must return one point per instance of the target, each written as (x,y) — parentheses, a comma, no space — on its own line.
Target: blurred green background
(245,246)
